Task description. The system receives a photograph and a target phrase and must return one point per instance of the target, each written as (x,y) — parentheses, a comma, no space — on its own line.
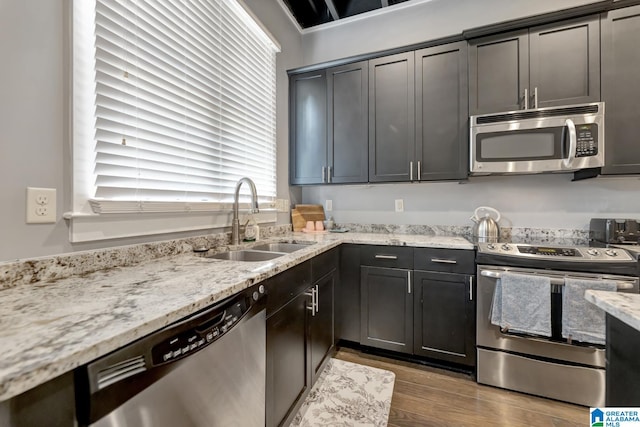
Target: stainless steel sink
(247,255)
(281,247)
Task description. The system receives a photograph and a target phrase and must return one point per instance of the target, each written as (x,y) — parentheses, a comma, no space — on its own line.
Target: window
(174,101)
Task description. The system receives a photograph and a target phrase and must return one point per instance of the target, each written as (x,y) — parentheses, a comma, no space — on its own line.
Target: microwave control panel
(587,140)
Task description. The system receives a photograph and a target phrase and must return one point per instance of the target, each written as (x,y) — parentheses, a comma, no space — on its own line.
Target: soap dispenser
(251,230)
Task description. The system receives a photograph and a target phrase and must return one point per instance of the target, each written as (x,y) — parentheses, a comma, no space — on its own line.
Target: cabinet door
(564,64)
(347,301)
(442,134)
(620,89)
(498,73)
(287,359)
(348,103)
(623,364)
(444,326)
(391,117)
(308,128)
(321,338)
(386,309)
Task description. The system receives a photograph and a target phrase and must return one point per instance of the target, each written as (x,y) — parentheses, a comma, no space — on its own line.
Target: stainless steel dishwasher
(205,370)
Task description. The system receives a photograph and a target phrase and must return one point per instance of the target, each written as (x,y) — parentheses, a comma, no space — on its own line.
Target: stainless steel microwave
(555,139)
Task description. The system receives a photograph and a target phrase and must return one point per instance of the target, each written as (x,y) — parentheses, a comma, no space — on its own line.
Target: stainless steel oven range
(548,366)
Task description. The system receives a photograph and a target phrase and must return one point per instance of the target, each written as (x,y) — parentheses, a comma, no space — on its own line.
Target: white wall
(34,142)
(547,201)
(417,21)
(539,201)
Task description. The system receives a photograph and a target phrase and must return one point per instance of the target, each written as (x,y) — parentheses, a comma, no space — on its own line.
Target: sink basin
(281,247)
(246,255)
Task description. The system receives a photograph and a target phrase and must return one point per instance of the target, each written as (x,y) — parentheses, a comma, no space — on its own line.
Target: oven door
(490,336)
(551,144)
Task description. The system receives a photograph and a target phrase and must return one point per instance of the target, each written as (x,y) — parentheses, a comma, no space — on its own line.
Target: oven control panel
(569,253)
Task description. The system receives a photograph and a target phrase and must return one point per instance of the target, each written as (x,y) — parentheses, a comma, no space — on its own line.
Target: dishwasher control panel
(199,332)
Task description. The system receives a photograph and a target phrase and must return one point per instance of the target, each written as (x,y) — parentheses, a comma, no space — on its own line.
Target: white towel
(581,320)
(522,304)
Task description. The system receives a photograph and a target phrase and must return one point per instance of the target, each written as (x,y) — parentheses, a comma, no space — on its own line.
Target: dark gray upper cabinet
(348,98)
(545,66)
(620,89)
(308,128)
(391,117)
(442,113)
(564,65)
(498,72)
(328,120)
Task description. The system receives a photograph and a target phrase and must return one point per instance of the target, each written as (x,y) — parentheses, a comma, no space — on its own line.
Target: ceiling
(310,13)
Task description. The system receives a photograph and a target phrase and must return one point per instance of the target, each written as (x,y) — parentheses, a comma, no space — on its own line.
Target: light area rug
(348,394)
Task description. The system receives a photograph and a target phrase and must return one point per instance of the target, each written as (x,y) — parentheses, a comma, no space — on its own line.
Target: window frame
(139,218)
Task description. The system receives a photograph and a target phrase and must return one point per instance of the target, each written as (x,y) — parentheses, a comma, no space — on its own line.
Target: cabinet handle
(419,170)
(324,173)
(411,170)
(535,97)
(444,261)
(315,303)
(408,281)
(526,99)
(312,307)
(470,288)
(385,256)
(329,174)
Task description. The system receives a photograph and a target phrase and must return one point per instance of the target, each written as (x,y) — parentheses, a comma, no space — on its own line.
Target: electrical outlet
(399,205)
(41,205)
(328,205)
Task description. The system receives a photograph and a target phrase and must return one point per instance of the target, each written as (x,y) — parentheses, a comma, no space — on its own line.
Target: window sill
(95,227)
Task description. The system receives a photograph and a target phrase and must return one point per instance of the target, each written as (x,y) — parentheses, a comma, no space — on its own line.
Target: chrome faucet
(235,225)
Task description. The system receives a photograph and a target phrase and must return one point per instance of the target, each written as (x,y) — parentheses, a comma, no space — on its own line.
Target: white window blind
(184,105)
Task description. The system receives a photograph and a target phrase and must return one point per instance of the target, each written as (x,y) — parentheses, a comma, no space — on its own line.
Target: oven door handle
(622,285)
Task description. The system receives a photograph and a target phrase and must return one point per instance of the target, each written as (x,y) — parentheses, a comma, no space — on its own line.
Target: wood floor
(426,396)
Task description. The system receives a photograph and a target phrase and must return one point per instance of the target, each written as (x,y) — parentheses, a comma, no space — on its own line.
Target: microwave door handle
(573,142)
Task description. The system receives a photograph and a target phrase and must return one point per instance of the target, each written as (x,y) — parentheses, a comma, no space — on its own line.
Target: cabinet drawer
(387,256)
(283,287)
(445,260)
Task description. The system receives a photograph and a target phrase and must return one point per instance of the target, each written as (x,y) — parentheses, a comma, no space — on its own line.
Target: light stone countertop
(51,327)
(623,306)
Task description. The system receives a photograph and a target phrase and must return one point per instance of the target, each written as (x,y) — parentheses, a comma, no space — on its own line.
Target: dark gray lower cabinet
(418,301)
(444,319)
(620,89)
(386,309)
(347,303)
(623,364)
(300,335)
(287,360)
(321,337)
